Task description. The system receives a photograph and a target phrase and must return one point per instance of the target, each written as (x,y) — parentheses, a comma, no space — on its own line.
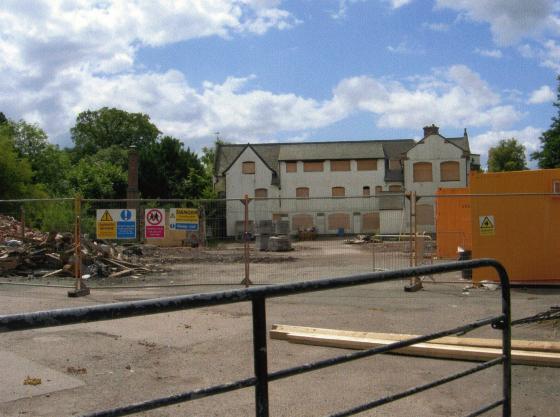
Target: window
(395,188)
(365,191)
(248,167)
(367,164)
(378,189)
(339,221)
(370,222)
(261,193)
(449,171)
(302,192)
(394,164)
(338,191)
(340,165)
(302,221)
(313,166)
(424,214)
(291,166)
(556,186)
(422,172)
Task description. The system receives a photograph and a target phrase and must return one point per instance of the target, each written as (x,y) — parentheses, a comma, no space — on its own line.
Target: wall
(453,222)
(526,236)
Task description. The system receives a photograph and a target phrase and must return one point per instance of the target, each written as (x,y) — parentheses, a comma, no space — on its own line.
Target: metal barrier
(258,296)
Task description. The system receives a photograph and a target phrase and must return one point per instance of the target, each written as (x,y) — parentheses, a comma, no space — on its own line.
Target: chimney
(431,130)
(132,190)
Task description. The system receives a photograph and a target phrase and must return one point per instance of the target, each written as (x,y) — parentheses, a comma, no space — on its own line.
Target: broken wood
(279,331)
(50,274)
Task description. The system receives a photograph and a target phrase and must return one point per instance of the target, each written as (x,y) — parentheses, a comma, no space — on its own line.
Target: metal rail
(257,296)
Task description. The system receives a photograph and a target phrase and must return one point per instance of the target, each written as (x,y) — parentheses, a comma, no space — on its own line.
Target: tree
(15,172)
(508,155)
(549,155)
(29,139)
(99,129)
(98,179)
(3,119)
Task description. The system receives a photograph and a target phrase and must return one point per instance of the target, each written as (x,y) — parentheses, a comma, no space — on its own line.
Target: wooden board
(279,331)
(432,350)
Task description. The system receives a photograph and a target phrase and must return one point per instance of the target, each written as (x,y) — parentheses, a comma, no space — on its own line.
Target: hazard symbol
(487,225)
(106,217)
(154,217)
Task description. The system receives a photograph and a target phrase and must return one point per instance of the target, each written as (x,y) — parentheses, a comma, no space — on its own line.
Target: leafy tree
(3,119)
(167,170)
(99,129)
(15,172)
(94,178)
(29,139)
(508,155)
(549,155)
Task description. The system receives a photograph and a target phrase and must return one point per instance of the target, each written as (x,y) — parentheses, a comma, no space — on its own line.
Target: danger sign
(116,223)
(487,225)
(154,223)
(183,219)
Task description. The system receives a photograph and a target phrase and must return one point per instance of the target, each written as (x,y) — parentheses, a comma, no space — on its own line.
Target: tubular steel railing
(258,296)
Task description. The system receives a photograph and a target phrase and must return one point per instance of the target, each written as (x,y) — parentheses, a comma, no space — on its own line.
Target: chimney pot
(431,130)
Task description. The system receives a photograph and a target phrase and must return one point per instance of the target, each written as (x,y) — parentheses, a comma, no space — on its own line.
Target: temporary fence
(272,240)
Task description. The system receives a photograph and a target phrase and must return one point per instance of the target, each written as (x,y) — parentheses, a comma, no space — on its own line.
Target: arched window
(449,171)
(365,191)
(422,172)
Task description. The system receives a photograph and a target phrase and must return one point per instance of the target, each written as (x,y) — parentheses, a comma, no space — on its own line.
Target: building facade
(354,186)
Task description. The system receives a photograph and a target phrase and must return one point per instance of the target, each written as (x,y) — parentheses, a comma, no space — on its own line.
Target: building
(356,186)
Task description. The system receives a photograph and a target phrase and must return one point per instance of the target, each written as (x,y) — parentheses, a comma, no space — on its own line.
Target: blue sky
(297,70)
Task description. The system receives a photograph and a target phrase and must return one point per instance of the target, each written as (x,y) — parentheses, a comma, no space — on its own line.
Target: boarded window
(279,216)
(556,186)
(395,188)
(394,164)
(291,166)
(449,171)
(340,165)
(302,192)
(338,192)
(302,221)
(365,191)
(378,189)
(248,167)
(370,222)
(313,166)
(339,221)
(424,214)
(367,164)
(422,172)
(261,193)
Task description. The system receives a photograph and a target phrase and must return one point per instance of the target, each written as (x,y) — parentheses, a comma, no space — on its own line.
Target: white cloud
(490,53)
(528,137)
(395,4)
(403,49)
(510,20)
(542,95)
(436,27)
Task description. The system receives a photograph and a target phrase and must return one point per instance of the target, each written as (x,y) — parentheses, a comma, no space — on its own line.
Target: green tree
(549,155)
(94,178)
(15,172)
(3,119)
(508,155)
(29,139)
(167,170)
(99,129)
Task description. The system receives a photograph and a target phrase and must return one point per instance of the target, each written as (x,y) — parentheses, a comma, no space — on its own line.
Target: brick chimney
(132,190)
(431,130)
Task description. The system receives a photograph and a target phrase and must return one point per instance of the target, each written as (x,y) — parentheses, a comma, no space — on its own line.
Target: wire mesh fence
(265,240)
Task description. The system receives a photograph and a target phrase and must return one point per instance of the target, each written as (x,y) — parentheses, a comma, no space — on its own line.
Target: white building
(305,183)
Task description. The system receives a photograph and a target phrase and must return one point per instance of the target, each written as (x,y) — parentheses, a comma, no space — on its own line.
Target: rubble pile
(53,254)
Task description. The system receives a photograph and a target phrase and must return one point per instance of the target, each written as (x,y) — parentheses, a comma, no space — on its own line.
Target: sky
(283,71)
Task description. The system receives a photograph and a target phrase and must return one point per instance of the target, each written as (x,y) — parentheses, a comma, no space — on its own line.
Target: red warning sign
(154,223)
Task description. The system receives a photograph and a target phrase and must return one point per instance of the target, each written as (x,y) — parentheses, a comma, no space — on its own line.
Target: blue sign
(126,215)
(186,226)
(126,230)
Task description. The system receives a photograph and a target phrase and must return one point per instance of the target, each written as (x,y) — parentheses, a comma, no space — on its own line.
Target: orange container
(453,222)
(520,231)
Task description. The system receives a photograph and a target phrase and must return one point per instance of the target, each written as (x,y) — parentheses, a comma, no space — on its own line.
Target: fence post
(80,288)
(260,356)
(415,283)
(247,280)
(22,218)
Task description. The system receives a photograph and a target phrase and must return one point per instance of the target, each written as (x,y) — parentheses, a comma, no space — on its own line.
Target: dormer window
(248,167)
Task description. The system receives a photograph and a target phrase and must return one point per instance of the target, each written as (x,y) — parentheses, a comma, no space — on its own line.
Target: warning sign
(116,224)
(154,223)
(487,225)
(183,219)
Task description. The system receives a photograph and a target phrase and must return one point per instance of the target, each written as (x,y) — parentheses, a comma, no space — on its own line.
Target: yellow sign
(106,217)
(186,215)
(487,225)
(106,227)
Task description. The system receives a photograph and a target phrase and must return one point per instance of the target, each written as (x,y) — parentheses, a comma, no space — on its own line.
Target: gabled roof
(366,149)
(227,154)
(460,142)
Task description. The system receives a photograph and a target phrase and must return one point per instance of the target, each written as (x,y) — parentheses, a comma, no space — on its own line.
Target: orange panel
(526,233)
(453,222)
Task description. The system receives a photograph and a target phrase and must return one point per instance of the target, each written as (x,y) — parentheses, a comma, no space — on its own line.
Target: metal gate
(257,296)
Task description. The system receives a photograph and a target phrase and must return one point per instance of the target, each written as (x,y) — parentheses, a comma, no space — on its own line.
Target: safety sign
(116,224)
(487,225)
(154,220)
(183,219)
